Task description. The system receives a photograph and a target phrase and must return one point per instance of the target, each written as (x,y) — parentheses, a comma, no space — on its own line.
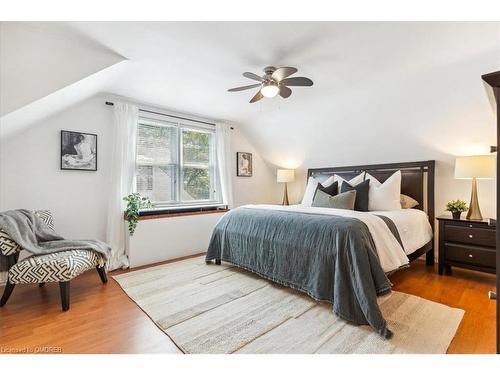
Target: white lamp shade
(478,166)
(285,175)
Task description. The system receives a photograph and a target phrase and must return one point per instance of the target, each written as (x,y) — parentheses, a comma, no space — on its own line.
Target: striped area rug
(221,309)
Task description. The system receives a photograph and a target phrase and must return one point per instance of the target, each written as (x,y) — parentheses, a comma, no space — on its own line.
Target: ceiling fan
(274,81)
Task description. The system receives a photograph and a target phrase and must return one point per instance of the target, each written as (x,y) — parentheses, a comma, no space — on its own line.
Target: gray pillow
(344,201)
(361,193)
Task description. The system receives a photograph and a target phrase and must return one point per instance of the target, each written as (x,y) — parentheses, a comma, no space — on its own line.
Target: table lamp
(285,176)
(475,167)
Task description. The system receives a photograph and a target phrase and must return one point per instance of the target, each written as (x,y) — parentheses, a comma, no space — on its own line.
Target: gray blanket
(31,233)
(331,258)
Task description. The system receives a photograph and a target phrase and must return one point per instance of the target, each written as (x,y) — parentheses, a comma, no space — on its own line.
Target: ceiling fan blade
(244,87)
(253,76)
(283,72)
(297,81)
(285,92)
(257,97)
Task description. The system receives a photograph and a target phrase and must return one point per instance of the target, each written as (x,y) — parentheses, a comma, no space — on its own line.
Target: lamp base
(285,196)
(474,212)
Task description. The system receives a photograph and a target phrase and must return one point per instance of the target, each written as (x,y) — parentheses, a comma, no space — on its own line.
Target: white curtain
(223,140)
(122,179)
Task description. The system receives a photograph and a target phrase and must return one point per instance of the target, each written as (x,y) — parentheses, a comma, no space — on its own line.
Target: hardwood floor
(102,319)
(467,290)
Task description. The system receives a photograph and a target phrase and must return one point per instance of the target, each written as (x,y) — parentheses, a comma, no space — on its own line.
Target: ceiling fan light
(269,90)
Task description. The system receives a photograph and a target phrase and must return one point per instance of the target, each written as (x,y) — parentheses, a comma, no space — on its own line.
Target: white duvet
(411,225)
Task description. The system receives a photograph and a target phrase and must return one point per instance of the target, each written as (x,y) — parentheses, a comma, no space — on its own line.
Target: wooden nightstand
(466,244)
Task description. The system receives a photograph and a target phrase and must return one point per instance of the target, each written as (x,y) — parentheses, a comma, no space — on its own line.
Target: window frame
(215,199)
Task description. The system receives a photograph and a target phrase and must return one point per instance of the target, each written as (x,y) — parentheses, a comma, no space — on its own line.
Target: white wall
(260,187)
(30,176)
(157,240)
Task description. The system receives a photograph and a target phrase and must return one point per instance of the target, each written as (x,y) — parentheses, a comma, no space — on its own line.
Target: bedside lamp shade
(478,166)
(285,175)
(474,167)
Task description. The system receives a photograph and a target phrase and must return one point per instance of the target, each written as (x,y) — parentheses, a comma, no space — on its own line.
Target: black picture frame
(68,153)
(246,171)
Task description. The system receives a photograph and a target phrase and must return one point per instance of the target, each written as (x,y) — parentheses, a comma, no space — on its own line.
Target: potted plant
(134,203)
(456,208)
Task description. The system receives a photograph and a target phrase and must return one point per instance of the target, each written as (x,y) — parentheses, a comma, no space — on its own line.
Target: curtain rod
(164,114)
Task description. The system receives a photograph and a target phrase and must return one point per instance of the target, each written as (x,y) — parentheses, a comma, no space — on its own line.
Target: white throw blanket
(390,252)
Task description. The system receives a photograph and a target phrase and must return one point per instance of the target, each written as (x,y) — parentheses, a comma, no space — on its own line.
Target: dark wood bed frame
(417,181)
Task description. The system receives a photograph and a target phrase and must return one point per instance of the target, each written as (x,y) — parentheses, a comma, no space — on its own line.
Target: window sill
(176,212)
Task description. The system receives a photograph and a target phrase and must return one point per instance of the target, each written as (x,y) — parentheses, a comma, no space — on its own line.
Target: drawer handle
(470,225)
(471,236)
(470,256)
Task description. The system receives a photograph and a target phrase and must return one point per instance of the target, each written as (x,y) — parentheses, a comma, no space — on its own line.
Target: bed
(334,255)
(417,182)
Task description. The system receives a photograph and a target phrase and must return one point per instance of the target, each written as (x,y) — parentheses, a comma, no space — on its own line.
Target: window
(175,163)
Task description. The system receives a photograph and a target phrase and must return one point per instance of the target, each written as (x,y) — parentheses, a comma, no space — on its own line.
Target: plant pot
(456,215)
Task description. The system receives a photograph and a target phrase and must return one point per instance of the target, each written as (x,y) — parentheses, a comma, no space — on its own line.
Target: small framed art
(78,151)
(244,165)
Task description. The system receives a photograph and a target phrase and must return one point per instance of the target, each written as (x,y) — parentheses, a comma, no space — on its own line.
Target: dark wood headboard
(417,179)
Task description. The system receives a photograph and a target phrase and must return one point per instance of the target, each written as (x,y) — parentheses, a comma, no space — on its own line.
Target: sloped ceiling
(370,79)
(45,67)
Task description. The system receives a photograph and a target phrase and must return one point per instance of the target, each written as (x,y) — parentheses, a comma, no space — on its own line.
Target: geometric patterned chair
(59,267)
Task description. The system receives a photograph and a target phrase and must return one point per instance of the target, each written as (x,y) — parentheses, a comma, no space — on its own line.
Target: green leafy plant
(134,203)
(456,206)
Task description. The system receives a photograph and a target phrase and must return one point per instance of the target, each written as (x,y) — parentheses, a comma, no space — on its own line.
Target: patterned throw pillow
(46,217)
(8,246)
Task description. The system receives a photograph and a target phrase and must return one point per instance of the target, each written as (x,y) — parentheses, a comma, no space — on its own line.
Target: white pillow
(312,185)
(353,181)
(386,196)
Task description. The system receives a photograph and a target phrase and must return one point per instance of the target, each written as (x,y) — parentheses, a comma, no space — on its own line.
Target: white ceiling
(188,66)
(369,77)
(39,58)
(365,74)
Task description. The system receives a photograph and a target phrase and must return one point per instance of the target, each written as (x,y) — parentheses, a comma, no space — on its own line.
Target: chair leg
(41,284)
(9,287)
(102,274)
(64,289)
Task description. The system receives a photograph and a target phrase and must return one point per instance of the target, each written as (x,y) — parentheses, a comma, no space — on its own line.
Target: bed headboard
(417,179)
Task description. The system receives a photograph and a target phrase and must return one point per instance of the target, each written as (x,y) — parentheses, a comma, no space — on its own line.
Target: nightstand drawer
(470,255)
(466,234)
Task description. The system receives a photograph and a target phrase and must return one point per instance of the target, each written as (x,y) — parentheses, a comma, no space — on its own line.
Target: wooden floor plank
(102,319)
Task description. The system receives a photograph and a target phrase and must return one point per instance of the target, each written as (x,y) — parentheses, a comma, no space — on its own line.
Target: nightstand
(466,244)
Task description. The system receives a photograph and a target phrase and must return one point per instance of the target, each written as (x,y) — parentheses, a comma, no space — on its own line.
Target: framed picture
(244,166)
(78,151)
